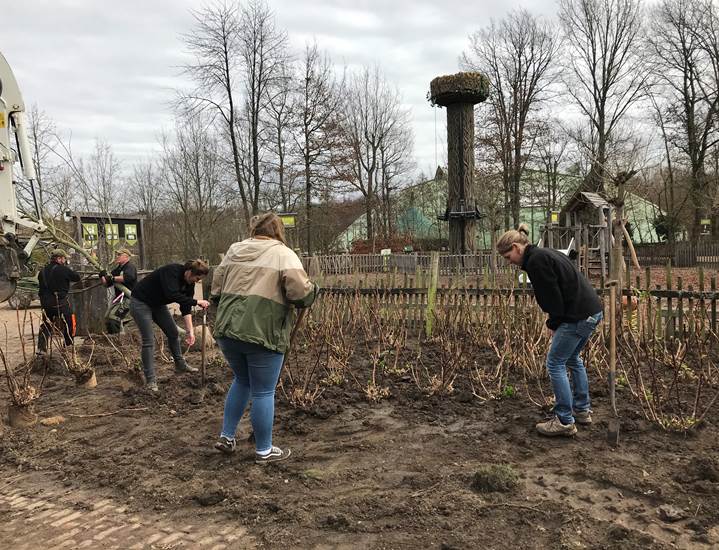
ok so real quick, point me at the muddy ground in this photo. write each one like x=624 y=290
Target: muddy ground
x=412 y=471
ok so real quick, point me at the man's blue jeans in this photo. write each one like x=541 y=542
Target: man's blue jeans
x=256 y=371
x=567 y=343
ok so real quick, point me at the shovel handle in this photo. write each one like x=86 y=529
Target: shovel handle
x=202 y=346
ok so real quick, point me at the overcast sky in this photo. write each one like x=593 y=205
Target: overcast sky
x=108 y=70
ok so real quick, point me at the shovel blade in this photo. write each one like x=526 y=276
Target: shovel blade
x=613 y=432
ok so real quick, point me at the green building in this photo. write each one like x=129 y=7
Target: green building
x=416 y=209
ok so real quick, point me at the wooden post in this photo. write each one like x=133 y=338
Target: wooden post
x=680 y=307
x=702 y=303
x=714 y=303
x=648 y=288
x=669 y=326
x=432 y=293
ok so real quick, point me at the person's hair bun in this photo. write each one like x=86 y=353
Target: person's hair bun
x=523 y=228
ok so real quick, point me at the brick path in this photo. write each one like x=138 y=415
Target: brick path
x=38 y=513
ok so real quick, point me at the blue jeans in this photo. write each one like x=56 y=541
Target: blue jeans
x=144 y=315
x=257 y=370
x=568 y=341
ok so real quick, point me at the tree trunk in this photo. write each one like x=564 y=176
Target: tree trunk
x=308 y=204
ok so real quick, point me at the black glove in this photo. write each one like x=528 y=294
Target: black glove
x=102 y=274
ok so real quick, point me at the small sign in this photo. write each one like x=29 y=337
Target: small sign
x=554 y=217
x=112 y=233
x=89 y=234
x=385 y=252
x=706 y=224
x=130 y=233
x=288 y=218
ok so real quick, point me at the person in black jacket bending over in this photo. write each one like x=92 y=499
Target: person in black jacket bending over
x=167 y=284
x=54 y=280
x=574 y=311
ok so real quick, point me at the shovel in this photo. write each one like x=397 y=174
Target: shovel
x=204 y=351
x=198 y=396
x=613 y=426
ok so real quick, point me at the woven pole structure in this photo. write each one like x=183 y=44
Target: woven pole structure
x=459 y=93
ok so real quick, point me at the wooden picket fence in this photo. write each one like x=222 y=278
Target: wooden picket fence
x=672 y=310
x=681 y=254
x=449 y=264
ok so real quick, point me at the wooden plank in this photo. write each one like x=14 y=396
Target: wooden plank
x=647 y=289
x=702 y=304
x=670 y=312
x=691 y=318
x=432 y=293
x=680 y=309
x=714 y=304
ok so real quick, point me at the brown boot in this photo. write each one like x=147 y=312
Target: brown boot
x=555 y=427
x=583 y=417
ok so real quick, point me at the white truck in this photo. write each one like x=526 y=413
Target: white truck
x=14 y=151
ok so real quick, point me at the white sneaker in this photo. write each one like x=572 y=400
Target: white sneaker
x=275 y=455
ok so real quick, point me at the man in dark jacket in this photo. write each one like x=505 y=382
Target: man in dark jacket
x=573 y=311
x=54 y=284
x=167 y=284
x=125 y=272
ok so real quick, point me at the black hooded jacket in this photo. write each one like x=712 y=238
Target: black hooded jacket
x=54 y=283
x=561 y=290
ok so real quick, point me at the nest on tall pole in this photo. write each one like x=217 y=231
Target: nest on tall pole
x=469 y=87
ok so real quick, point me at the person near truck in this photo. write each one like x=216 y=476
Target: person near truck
x=171 y=283
x=256 y=285
x=573 y=312
x=124 y=272
x=54 y=284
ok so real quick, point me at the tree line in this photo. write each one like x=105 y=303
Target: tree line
x=608 y=90
x=605 y=89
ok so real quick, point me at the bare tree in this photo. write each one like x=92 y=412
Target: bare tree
x=395 y=155
x=280 y=122
x=317 y=103
x=551 y=154
x=684 y=41
x=42 y=136
x=97 y=178
x=263 y=50
x=146 y=192
x=372 y=117
x=517 y=55
x=608 y=73
x=216 y=44
x=193 y=177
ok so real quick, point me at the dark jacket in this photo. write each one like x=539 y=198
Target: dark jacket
x=128 y=272
x=54 y=284
x=164 y=286
x=561 y=290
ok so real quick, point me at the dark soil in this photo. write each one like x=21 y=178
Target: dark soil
x=411 y=471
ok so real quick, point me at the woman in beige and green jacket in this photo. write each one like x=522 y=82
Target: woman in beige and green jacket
x=257 y=283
